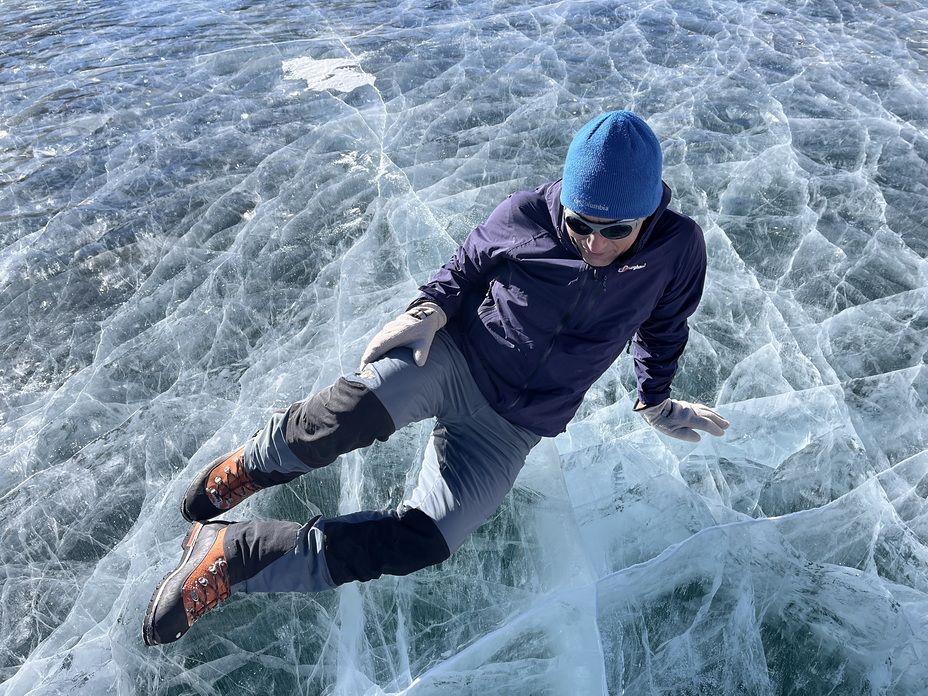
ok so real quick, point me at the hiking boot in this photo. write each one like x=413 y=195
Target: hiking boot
x=199 y=583
x=219 y=487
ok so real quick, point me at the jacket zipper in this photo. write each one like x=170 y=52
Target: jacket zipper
x=554 y=337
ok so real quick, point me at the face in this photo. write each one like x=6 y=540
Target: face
x=598 y=251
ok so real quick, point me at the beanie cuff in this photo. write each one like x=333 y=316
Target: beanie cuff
x=619 y=210
x=613 y=169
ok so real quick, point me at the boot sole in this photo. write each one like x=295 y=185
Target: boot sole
x=148 y=629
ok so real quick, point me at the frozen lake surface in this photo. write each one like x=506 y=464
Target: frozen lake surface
x=207 y=209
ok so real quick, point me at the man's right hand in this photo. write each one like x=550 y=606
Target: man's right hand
x=415 y=328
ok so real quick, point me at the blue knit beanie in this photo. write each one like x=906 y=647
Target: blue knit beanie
x=613 y=168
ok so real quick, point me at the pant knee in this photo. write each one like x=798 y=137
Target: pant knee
x=392 y=544
x=336 y=420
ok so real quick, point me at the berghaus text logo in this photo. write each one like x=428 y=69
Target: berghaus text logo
x=632 y=268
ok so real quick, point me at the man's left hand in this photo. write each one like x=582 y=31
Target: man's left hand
x=681 y=419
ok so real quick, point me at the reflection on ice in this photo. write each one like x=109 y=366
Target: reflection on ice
x=191 y=239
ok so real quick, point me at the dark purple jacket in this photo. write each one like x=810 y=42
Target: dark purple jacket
x=538 y=325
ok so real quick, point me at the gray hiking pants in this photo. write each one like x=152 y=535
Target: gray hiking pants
x=470 y=464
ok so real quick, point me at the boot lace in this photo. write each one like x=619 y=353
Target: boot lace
x=232 y=485
x=209 y=589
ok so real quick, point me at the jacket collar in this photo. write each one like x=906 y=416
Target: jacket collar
x=649 y=226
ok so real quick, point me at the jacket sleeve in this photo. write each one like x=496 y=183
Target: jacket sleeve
x=470 y=267
x=660 y=340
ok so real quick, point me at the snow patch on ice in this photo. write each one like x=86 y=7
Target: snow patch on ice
x=340 y=74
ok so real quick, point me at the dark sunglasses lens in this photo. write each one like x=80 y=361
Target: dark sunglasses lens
x=617 y=231
x=578 y=225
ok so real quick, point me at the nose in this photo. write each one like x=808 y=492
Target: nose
x=597 y=243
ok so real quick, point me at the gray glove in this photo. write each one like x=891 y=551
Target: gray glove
x=415 y=328
x=679 y=418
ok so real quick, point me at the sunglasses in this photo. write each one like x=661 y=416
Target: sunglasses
x=619 y=229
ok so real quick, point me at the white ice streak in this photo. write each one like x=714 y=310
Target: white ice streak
x=339 y=74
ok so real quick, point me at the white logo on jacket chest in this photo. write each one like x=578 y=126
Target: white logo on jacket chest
x=632 y=268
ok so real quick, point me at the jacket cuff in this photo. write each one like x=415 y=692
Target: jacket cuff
x=422 y=299
x=650 y=399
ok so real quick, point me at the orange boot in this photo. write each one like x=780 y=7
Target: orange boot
x=219 y=487
x=199 y=583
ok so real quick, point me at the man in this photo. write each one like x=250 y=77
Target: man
x=500 y=347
